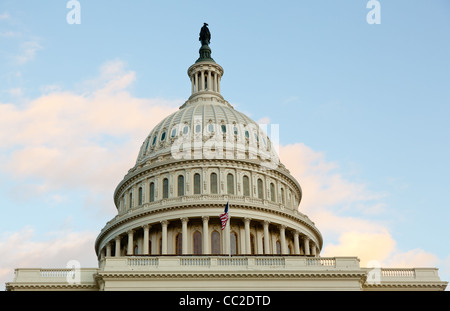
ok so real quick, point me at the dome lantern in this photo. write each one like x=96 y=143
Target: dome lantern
x=205 y=74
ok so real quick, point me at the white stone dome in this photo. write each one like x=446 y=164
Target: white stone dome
x=204 y=119
x=196 y=160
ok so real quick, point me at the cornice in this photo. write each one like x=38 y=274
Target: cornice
x=142 y=171
x=147 y=212
x=214 y=274
x=406 y=284
x=54 y=286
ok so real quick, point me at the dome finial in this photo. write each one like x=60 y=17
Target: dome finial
x=205 y=39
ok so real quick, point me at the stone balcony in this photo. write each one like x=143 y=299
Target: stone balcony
x=232 y=272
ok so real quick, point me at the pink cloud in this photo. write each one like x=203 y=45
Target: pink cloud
x=328 y=196
x=24 y=251
x=59 y=138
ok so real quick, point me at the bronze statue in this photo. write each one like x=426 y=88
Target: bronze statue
x=205 y=35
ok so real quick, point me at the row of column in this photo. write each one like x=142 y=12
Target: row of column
x=308 y=250
x=205 y=80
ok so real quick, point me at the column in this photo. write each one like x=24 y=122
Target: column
x=296 y=243
x=192 y=84
x=248 y=249
x=146 y=239
x=283 y=239
x=108 y=249
x=209 y=81
x=306 y=245
x=184 y=236
x=266 y=238
x=313 y=249
x=164 y=224
x=196 y=89
x=215 y=82
x=205 y=235
x=130 y=242
x=117 y=246
x=260 y=247
x=202 y=81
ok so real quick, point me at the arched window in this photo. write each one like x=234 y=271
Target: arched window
x=246 y=185
x=278 y=248
x=179 y=244
x=131 y=199
x=230 y=184
x=234 y=243
x=215 y=243
x=252 y=244
x=174 y=132
x=141 y=196
x=136 y=250
x=165 y=188
x=213 y=182
x=180 y=185
x=197 y=184
x=197 y=243
x=272 y=192
x=260 y=189
x=152 y=192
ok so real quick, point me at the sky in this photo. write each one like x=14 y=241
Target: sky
x=363 y=111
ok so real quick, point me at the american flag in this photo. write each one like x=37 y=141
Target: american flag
x=224 y=217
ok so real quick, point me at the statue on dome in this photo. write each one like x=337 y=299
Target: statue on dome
x=205 y=35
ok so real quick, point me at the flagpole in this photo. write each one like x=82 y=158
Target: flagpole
x=229 y=230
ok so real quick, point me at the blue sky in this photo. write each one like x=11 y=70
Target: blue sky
x=365 y=106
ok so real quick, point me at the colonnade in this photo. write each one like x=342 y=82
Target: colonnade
x=272 y=239
x=205 y=80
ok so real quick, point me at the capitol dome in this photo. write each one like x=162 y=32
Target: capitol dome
x=196 y=161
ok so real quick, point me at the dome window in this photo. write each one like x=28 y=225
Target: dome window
x=247 y=134
x=224 y=128
x=163 y=136
x=198 y=128
x=211 y=128
x=235 y=130
x=174 y=132
x=185 y=130
x=154 y=141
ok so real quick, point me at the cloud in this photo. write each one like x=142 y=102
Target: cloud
x=343 y=211
x=85 y=140
x=28 y=50
x=4 y=16
x=25 y=249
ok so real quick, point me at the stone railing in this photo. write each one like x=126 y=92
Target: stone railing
x=61 y=276
x=236 y=263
